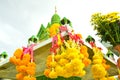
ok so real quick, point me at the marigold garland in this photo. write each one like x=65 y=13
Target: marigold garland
x=99 y=66
x=24 y=66
x=68 y=57
x=54 y=29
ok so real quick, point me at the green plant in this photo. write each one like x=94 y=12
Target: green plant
x=107 y=26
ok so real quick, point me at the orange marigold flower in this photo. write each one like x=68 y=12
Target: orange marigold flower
x=106 y=66
x=26 y=57
x=103 y=61
x=20 y=76
x=27 y=78
x=49 y=58
x=46 y=72
x=79 y=35
x=24 y=62
x=18 y=53
x=21 y=68
x=48 y=64
x=83 y=49
x=12 y=59
x=31 y=64
x=86 y=61
x=30 y=72
x=33 y=78
x=18 y=62
x=30 y=68
x=85 y=54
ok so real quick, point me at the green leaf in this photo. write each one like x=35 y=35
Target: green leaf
x=59 y=78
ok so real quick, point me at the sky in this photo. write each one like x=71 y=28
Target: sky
x=20 y=19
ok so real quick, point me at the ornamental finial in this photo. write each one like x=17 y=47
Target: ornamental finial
x=55 y=9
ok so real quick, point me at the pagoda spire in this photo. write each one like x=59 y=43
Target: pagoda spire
x=55 y=18
x=55 y=9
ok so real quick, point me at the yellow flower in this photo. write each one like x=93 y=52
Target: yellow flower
x=67 y=74
x=81 y=56
x=53 y=74
x=62 y=49
x=63 y=61
x=54 y=29
x=97 y=56
x=63 y=55
x=59 y=70
x=82 y=73
x=72 y=55
x=59 y=40
x=104 y=78
x=97 y=50
x=77 y=62
x=72 y=50
x=97 y=61
x=111 y=78
x=57 y=57
x=68 y=67
x=85 y=54
x=53 y=64
x=29 y=78
x=98 y=71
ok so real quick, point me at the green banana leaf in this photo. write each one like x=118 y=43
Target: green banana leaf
x=59 y=78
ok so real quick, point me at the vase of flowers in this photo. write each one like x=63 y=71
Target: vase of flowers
x=108 y=27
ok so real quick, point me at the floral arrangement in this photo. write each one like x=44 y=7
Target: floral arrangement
x=25 y=65
x=99 y=66
x=107 y=26
x=54 y=29
x=68 y=57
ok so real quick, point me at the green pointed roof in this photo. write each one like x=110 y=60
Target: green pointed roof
x=4 y=54
x=66 y=21
x=55 y=19
x=41 y=30
x=43 y=33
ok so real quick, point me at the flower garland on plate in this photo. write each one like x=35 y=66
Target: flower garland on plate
x=25 y=65
x=99 y=66
x=68 y=56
